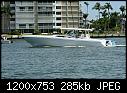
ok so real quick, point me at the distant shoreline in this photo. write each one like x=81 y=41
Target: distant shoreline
x=107 y=35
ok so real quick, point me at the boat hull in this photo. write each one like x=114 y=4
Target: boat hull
x=5 y=41
x=61 y=41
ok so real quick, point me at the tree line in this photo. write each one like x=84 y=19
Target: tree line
x=110 y=21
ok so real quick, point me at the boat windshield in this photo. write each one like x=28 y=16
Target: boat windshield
x=72 y=33
x=113 y=42
x=77 y=32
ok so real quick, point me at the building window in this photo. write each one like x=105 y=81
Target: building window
x=49 y=8
x=12 y=19
x=46 y=24
x=40 y=8
x=58 y=24
x=58 y=18
x=12 y=2
x=12 y=8
x=40 y=13
x=58 y=13
x=31 y=25
x=45 y=13
x=22 y=8
x=30 y=8
x=22 y=25
x=58 y=7
x=40 y=2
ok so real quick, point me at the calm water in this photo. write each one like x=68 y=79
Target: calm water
x=20 y=61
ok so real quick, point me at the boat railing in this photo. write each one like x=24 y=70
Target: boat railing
x=4 y=37
x=75 y=32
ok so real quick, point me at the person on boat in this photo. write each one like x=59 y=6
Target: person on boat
x=107 y=43
x=82 y=36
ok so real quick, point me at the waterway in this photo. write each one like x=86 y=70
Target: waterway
x=21 y=61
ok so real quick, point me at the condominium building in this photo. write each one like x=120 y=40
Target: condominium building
x=44 y=15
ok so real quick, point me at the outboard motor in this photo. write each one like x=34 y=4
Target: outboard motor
x=110 y=43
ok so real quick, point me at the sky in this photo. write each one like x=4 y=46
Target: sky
x=93 y=14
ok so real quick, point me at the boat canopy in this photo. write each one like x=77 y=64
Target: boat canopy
x=77 y=29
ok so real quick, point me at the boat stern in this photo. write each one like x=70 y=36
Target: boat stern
x=108 y=43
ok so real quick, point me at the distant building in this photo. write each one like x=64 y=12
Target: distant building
x=48 y=15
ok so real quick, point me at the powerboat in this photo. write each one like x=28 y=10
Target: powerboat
x=4 y=40
x=74 y=37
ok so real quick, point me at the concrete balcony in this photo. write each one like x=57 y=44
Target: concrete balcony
x=45 y=4
x=58 y=21
x=70 y=16
x=31 y=27
x=69 y=5
x=57 y=26
x=72 y=21
x=24 y=18
x=24 y=21
x=24 y=10
x=12 y=22
x=69 y=10
x=22 y=27
x=45 y=27
x=12 y=16
x=69 y=21
x=45 y=21
x=12 y=5
x=24 y=4
x=12 y=11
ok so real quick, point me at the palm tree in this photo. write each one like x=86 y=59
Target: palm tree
x=115 y=15
x=6 y=14
x=86 y=6
x=87 y=10
x=108 y=7
x=85 y=16
x=122 y=9
x=104 y=14
x=97 y=6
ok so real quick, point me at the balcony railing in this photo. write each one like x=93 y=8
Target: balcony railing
x=22 y=26
x=43 y=27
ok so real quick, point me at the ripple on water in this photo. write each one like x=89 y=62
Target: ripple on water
x=20 y=61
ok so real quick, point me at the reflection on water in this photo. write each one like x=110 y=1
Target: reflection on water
x=21 y=61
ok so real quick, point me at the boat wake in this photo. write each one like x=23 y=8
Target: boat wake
x=120 y=45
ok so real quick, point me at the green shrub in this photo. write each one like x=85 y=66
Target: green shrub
x=15 y=32
x=37 y=32
x=116 y=28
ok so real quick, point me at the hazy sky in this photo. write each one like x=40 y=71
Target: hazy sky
x=93 y=14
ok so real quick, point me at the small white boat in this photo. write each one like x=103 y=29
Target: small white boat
x=71 y=38
x=4 y=40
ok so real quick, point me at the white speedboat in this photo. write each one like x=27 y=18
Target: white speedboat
x=72 y=38
x=4 y=40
